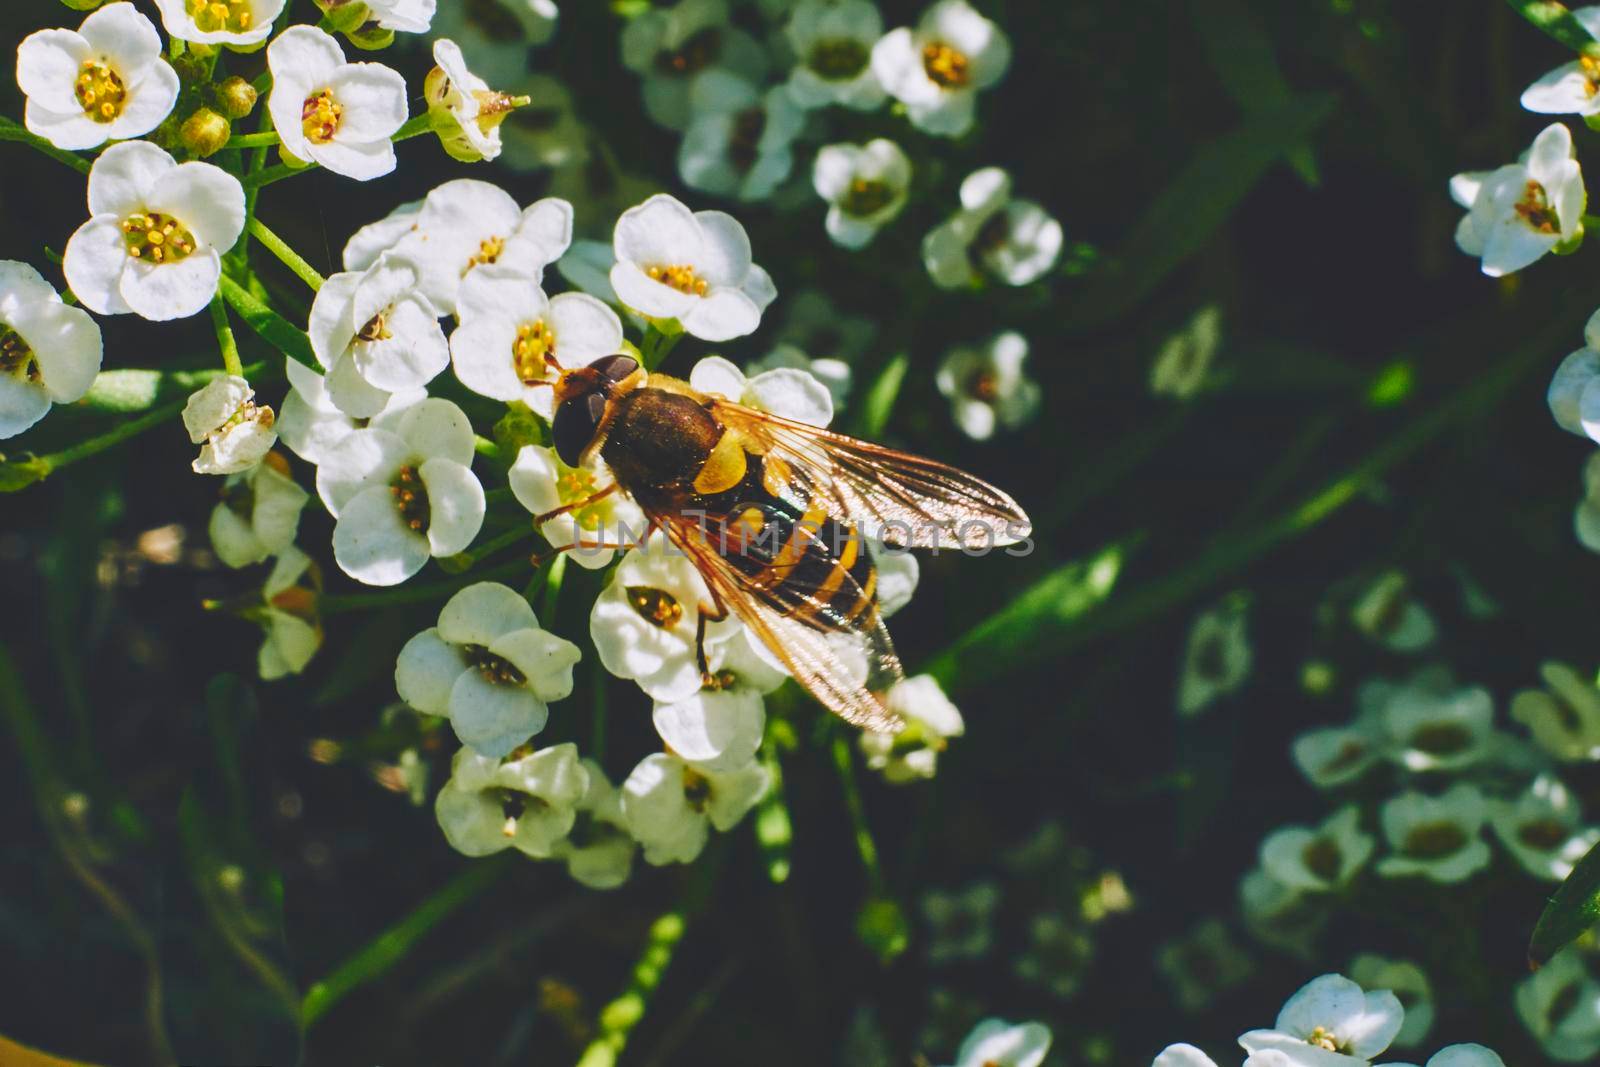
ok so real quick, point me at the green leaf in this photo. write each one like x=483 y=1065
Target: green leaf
x=271 y=327
x=1031 y=621
x=878 y=403
x=1241 y=51
x=1574 y=909
x=1560 y=23
x=1193 y=207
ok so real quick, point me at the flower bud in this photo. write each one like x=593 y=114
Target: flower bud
x=83 y=5
x=345 y=16
x=236 y=97
x=370 y=37
x=205 y=132
x=191 y=64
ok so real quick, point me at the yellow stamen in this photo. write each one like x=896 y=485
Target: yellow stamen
x=100 y=91
x=156 y=238
x=320 y=116
x=681 y=278
x=946 y=67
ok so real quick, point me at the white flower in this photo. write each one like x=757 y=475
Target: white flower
x=1438 y=731
x=1560 y=1005
x=716 y=729
x=1573 y=403
x=1330 y=1022
x=462 y=225
x=292 y=631
x=106 y=81
x=1435 y=837
x=833 y=43
x=234 y=22
x=931 y=720
x=738 y=142
x=866 y=187
x=1540 y=828
x=512 y=337
x=488 y=666
x=987 y=387
x=1564 y=717
x=546 y=131
x=743 y=661
x=1217 y=657
x=542 y=484
x=495 y=34
x=1572 y=88
x=960 y=921
x=833 y=373
x=1409 y=985
x=341 y=115
x=156 y=233
x=673 y=48
x=671 y=804
x=1017 y=241
x=49 y=351
x=529 y=803
x=1334 y=755
x=402 y=489
x=403 y=16
x=1181 y=367
x=997 y=1043
x=691 y=266
x=644 y=622
x=785 y=392
x=375 y=335
x=1468 y=1055
x=1390 y=615
x=937 y=69
x=310 y=423
x=259 y=513
x=1521 y=211
x=598 y=850
x=1203 y=964
x=1319 y=860
x=814 y=324
x=234 y=433
x=467 y=112
x=1282 y=917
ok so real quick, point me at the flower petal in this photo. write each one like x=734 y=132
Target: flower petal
x=484 y=612
x=207 y=199
x=426 y=670
x=124 y=175
x=372 y=544
x=165 y=291
x=455 y=504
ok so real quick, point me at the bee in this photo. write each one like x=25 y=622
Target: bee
x=770 y=512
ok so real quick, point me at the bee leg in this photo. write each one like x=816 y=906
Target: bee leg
x=576 y=505
x=716 y=612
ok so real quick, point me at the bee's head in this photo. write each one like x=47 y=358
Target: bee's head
x=582 y=397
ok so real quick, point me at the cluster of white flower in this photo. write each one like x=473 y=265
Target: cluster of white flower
x=1331 y=1022
x=460 y=279
x=1452 y=777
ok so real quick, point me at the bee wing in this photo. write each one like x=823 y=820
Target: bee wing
x=904 y=500
x=850 y=671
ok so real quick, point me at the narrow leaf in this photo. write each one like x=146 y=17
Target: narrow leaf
x=1574 y=909
x=1241 y=51
x=271 y=327
x=1560 y=23
x=1031 y=621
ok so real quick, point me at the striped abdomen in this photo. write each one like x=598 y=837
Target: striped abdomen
x=813 y=566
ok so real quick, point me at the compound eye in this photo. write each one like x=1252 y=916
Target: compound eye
x=575 y=424
x=615 y=368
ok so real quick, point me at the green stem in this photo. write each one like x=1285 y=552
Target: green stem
x=556 y=571
x=225 y=341
x=496 y=544
x=10 y=131
x=286 y=255
x=391 y=946
x=865 y=845
x=657 y=344
x=264 y=139
x=416 y=594
x=115 y=436
x=618 y=1018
